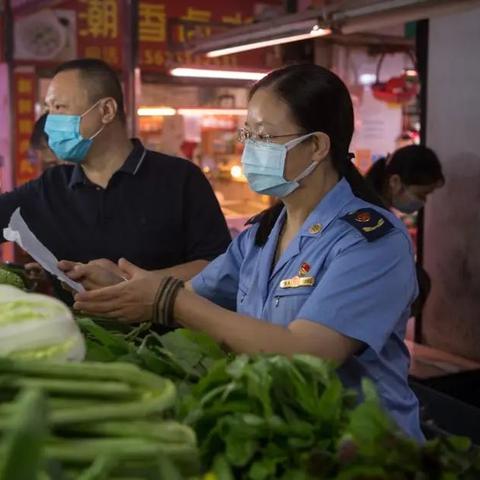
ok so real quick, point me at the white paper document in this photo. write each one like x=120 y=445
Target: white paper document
x=18 y=232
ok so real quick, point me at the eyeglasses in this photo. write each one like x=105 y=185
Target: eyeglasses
x=244 y=135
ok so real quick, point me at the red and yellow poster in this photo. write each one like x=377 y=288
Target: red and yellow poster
x=99 y=30
x=24 y=105
x=164 y=27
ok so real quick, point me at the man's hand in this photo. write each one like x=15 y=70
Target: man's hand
x=130 y=300
x=34 y=272
x=94 y=274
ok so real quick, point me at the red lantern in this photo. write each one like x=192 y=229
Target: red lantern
x=401 y=90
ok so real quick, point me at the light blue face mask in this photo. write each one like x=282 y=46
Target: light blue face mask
x=64 y=137
x=264 y=166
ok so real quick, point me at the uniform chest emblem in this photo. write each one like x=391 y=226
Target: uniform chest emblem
x=304 y=269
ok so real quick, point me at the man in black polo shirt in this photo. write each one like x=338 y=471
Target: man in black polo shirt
x=115 y=198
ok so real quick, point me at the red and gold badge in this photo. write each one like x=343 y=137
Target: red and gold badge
x=304 y=269
x=363 y=217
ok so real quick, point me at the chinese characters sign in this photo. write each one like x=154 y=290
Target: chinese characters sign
x=24 y=97
x=94 y=29
x=164 y=24
x=99 y=30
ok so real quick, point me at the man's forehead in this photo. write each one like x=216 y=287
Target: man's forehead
x=67 y=84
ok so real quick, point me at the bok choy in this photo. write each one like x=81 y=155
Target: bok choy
x=35 y=326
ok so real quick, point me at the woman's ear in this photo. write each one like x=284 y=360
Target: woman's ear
x=321 y=146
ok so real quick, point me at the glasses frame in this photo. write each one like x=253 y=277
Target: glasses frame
x=243 y=135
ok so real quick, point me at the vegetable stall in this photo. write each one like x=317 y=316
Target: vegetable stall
x=90 y=399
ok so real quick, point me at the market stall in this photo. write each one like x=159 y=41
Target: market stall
x=92 y=399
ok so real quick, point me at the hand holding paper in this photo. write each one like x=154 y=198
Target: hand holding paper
x=18 y=232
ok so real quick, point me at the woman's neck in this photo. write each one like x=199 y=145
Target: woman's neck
x=303 y=201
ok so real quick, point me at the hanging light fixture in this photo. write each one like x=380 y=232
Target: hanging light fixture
x=316 y=31
x=211 y=73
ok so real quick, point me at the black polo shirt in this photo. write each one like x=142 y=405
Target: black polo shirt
x=157 y=211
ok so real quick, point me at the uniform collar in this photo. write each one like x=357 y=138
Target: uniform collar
x=323 y=214
x=327 y=209
x=131 y=165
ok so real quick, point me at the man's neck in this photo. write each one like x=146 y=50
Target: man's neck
x=107 y=155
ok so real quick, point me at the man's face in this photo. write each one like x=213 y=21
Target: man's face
x=68 y=94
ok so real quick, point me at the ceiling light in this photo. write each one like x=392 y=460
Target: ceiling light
x=316 y=31
x=208 y=73
x=156 y=112
x=367 y=79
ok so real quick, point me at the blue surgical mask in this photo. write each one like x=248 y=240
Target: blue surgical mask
x=264 y=166
x=408 y=202
x=64 y=137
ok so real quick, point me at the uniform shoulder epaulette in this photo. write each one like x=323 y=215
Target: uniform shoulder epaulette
x=369 y=222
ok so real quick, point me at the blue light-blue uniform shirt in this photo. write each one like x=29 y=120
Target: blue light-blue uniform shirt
x=363 y=289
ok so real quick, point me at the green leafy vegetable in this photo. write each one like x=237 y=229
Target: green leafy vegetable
x=21 y=452
x=37 y=326
x=9 y=276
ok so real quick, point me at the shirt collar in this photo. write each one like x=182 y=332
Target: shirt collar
x=328 y=209
x=135 y=160
x=78 y=177
x=131 y=165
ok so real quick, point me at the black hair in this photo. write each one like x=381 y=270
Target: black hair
x=102 y=80
x=38 y=138
x=414 y=164
x=319 y=102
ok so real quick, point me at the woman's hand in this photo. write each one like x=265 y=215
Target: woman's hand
x=93 y=275
x=131 y=300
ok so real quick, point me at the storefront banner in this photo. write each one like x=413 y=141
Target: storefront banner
x=26 y=165
x=165 y=27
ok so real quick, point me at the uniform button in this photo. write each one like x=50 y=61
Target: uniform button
x=315 y=228
x=97 y=189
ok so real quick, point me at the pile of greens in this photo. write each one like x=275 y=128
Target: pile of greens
x=11 y=275
x=270 y=417
x=89 y=421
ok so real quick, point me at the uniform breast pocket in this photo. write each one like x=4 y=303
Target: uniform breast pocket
x=287 y=303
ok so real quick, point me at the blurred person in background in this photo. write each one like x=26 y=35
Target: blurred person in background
x=404 y=181
x=39 y=145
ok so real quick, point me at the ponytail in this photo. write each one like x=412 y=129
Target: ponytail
x=266 y=220
x=360 y=186
x=377 y=176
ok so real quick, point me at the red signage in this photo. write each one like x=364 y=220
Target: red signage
x=2 y=33
x=167 y=24
x=99 y=30
x=26 y=168
x=22 y=7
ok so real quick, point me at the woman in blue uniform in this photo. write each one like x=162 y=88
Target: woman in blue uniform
x=327 y=271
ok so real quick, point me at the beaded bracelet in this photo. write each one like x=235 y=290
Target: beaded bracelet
x=165 y=300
